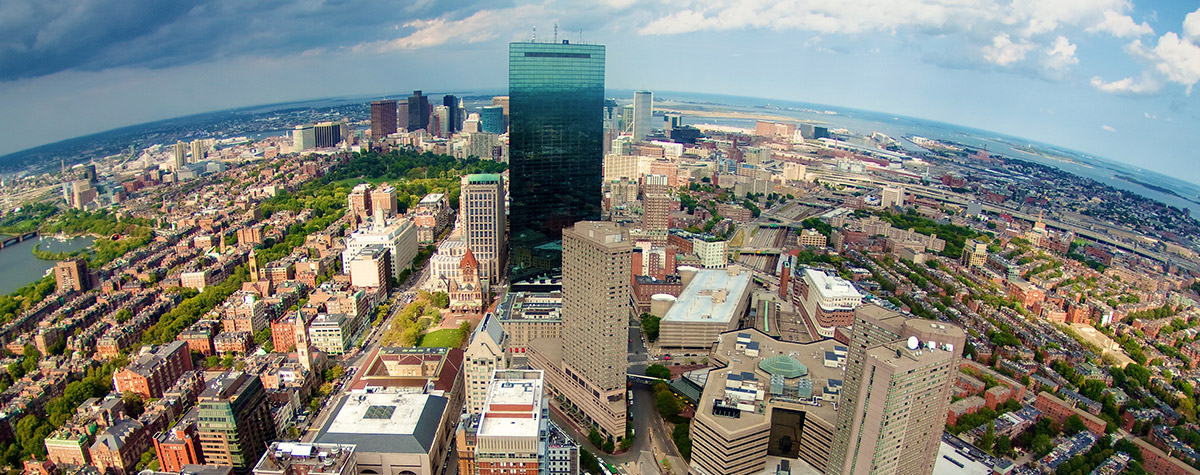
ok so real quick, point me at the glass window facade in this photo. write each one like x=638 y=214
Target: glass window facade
x=556 y=135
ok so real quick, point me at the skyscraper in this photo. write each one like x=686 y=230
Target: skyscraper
x=199 y=151
x=481 y=205
x=491 y=120
x=556 y=95
x=235 y=421
x=418 y=111
x=383 y=119
x=454 y=113
x=643 y=112
x=587 y=366
x=895 y=392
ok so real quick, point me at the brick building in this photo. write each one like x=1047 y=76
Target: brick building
x=154 y=371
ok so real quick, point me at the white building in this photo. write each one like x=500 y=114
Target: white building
x=398 y=234
x=484 y=355
x=826 y=301
x=712 y=254
x=892 y=196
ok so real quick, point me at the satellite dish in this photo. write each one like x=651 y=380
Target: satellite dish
x=913 y=343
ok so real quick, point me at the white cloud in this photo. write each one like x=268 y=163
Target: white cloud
x=1120 y=26
x=1178 y=60
x=1108 y=128
x=483 y=25
x=1150 y=116
x=1127 y=86
x=1003 y=51
x=1060 y=57
x=1191 y=26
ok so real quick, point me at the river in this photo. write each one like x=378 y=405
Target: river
x=18 y=267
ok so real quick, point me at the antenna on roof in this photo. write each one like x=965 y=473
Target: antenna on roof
x=534 y=38
x=556 y=32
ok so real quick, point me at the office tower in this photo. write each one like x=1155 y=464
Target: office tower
x=440 y=123
x=418 y=111
x=454 y=113
x=199 y=151
x=327 y=134
x=181 y=150
x=303 y=138
x=471 y=125
x=895 y=392
x=383 y=119
x=402 y=115
x=491 y=120
x=235 y=421
x=556 y=93
x=627 y=118
x=481 y=205
x=72 y=274
x=643 y=112
x=587 y=366
x=502 y=102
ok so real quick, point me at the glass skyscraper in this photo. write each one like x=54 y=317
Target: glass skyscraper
x=556 y=151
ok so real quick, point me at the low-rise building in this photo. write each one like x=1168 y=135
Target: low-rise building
x=712 y=302
x=154 y=371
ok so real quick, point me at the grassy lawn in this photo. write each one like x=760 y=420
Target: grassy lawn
x=449 y=338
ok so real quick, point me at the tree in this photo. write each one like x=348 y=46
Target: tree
x=134 y=406
x=650 y=325
x=989 y=437
x=1041 y=445
x=1003 y=446
x=588 y=461
x=667 y=405
x=658 y=371
x=609 y=447
x=333 y=373
x=440 y=300
x=1074 y=425
x=596 y=439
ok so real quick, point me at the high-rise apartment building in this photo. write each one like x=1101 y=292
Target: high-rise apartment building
x=556 y=93
x=491 y=120
x=643 y=113
x=72 y=274
x=657 y=202
x=895 y=393
x=587 y=366
x=892 y=196
x=481 y=210
x=383 y=201
x=234 y=421
x=975 y=253
x=360 y=201
x=181 y=150
x=383 y=119
x=418 y=111
x=199 y=151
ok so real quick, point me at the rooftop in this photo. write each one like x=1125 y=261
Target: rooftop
x=831 y=286
x=711 y=296
x=294 y=457
x=513 y=409
x=385 y=422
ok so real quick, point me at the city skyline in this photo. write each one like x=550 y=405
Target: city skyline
x=1087 y=77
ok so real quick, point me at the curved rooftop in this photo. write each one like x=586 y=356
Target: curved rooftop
x=783 y=365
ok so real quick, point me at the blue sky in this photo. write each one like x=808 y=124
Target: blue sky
x=1109 y=77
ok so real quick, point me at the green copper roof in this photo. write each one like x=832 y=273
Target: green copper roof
x=483 y=178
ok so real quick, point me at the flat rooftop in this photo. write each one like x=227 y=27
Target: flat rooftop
x=831 y=286
x=811 y=355
x=701 y=300
x=385 y=422
x=296 y=457
x=513 y=409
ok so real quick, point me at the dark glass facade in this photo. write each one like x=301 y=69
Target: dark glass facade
x=556 y=151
